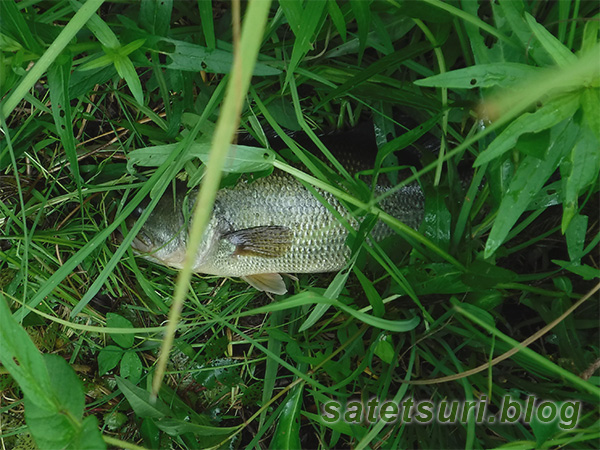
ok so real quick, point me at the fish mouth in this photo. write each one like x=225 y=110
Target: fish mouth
x=142 y=244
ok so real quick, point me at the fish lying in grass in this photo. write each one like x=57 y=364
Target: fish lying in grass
x=274 y=225
x=261 y=229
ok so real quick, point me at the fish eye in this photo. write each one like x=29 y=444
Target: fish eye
x=137 y=212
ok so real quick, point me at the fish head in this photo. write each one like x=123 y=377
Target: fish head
x=163 y=235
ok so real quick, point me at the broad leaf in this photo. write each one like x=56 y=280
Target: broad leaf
x=529 y=178
x=575 y=234
x=116 y=321
x=108 y=358
x=578 y=170
x=503 y=75
x=561 y=54
x=176 y=427
x=61 y=426
x=155 y=17
x=545 y=117
x=131 y=366
x=240 y=159
x=287 y=432
x=59 y=76
x=141 y=401
x=194 y=58
x=309 y=20
x=24 y=361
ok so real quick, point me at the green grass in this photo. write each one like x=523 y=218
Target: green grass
x=496 y=294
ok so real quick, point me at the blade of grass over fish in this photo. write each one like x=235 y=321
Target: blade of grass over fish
x=34 y=74
x=246 y=48
x=389 y=220
x=155 y=186
x=335 y=287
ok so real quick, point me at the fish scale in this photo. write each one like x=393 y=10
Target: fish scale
x=318 y=238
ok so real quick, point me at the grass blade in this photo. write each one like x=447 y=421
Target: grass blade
x=286 y=436
x=244 y=61
x=59 y=75
x=528 y=180
x=69 y=31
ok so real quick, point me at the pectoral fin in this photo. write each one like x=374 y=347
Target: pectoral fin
x=268 y=241
x=268 y=282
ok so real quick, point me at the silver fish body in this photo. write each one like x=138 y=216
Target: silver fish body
x=270 y=226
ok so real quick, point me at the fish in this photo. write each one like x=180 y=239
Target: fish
x=260 y=229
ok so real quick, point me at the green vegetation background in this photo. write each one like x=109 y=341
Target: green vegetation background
x=104 y=103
